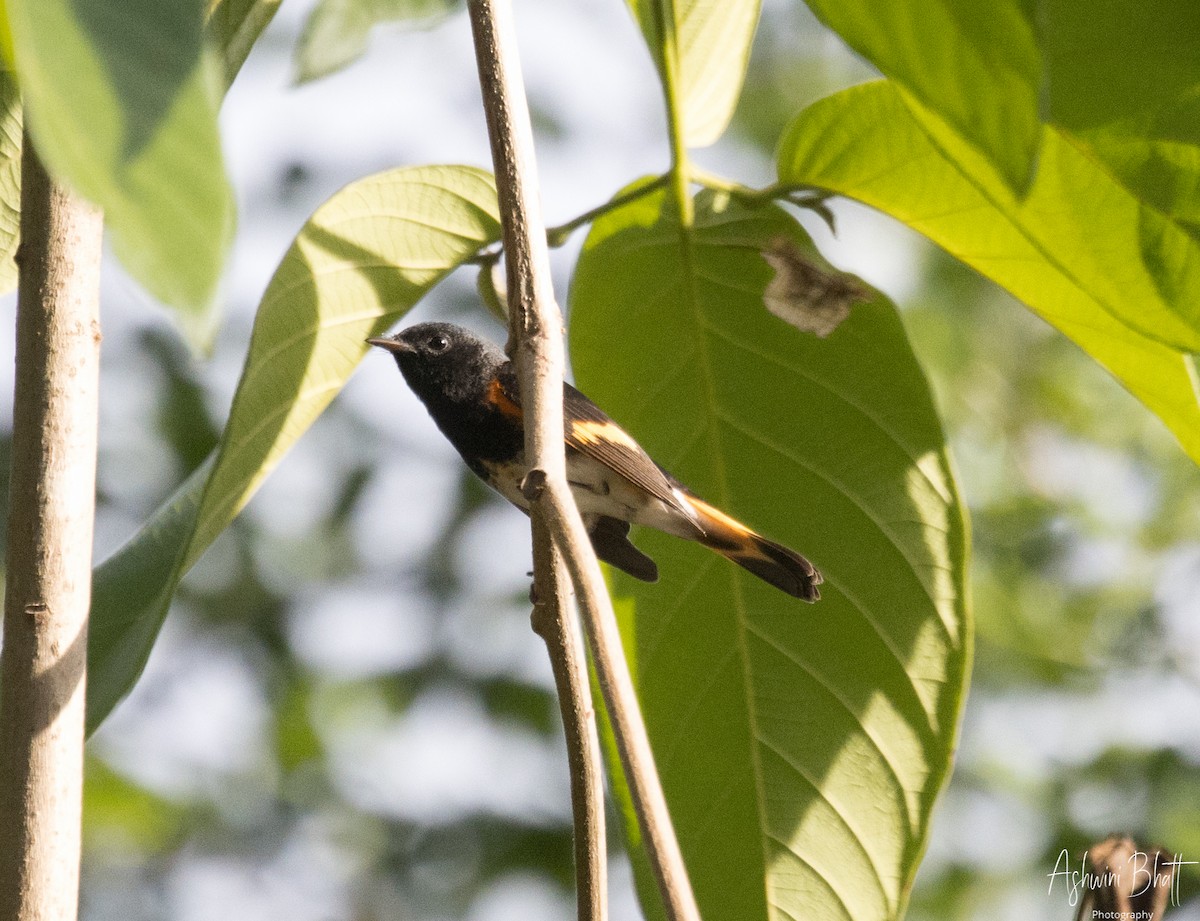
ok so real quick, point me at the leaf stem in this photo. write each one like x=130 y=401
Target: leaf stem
x=680 y=173
x=557 y=236
x=804 y=196
x=776 y=191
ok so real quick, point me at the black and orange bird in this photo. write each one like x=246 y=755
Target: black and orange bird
x=469 y=387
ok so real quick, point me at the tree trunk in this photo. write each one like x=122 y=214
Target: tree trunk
x=48 y=574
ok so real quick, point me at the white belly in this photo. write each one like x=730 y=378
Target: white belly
x=599 y=491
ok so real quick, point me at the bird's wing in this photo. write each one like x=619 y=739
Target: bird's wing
x=590 y=431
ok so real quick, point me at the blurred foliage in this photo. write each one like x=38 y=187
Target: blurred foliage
x=257 y=812
x=147 y=151
x=1079 y=498
x=337 y=31
x=260 y=786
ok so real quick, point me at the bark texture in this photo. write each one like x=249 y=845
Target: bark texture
x=49 y=560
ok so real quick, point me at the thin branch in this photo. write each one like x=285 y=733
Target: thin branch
x=535 y=342
x=612 y=672
x=681 y=169
x=48 y=578
x=555 y=625
x=535 y=325
x=489 y=254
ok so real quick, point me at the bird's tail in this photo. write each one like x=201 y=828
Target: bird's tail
x=774 y=563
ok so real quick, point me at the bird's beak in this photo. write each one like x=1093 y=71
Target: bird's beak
x=395 y=346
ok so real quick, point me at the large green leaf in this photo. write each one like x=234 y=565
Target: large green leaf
x=1114 y=64
x=1124 y=80
x=362 y=260
x=233 y=26
x=122 y=104
x=712 y=48
x=1117 y=277
x=801 y=748
x=1121 y=81
x=975 y=62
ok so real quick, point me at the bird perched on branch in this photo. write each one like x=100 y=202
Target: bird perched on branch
x=469 y=387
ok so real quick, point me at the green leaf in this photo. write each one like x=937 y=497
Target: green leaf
x=1162 y=167
x=234 y=26
x=976 y=64
x=10 y=178
x=122 y=106
x=131 y=592
x=1108 y=65
x=336 y=32
x=363 y=260
x=801 y=748
x=712 y=49
x=1118 y=278
x=1125 y=81
x=1122 y=79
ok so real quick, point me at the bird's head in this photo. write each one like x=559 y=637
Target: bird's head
x=441 y=361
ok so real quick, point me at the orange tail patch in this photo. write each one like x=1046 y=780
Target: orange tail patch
x=774 y=563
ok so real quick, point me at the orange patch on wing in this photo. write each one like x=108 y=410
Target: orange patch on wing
x=499 y=399
x=590 y=432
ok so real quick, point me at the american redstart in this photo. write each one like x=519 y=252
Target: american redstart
x=469 y=387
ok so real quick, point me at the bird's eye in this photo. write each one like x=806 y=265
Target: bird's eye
x=438 y=344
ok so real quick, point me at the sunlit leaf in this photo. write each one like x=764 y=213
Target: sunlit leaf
x=1125 y=82
x=975 y=62
x=336 y=32
x=122 y=106
x=364 y=258
x=713 y=49
x=801 y=747
x=1118 y=278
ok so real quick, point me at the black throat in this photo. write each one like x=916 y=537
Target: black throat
x=456 y=394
